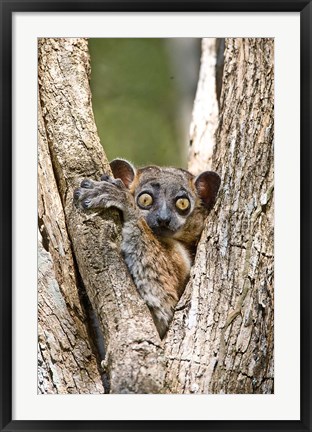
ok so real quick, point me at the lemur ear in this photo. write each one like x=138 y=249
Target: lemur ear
x=207 y=185
x=123 y=170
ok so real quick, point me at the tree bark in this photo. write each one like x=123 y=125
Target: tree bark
x=221 y=337
x=205 y=112
x=224 y=322
x=67 y=363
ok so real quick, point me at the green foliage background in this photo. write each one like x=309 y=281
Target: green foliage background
x=135 y=100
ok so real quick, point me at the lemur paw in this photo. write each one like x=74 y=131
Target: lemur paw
x=84 y=194
x=108 y=192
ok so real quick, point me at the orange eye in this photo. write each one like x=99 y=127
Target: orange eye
x=183 y=203
x=145 y=200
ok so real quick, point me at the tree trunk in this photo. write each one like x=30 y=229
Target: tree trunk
x=224 y=323
x=221 y=337
x=66 y=362
x=205 y=112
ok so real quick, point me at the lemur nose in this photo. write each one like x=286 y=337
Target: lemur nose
x=164 y=217
x=164 y=222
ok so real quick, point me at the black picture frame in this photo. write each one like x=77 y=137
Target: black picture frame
x=8 y=7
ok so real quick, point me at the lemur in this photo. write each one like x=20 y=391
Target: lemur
x=163 y=212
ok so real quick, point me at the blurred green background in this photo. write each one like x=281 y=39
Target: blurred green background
x=142 y=94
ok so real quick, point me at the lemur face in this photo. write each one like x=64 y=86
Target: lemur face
x=167 y=197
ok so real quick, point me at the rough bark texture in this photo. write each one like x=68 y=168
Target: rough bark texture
x=205 y=112
x=221 y=340
x=134 y=355
x=66 y=361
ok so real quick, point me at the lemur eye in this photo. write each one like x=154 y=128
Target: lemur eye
x=182 y=203
x=145 y=200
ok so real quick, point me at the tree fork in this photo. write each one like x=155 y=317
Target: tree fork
x=208 y=349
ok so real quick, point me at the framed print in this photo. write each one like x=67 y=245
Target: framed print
x=168 y=287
